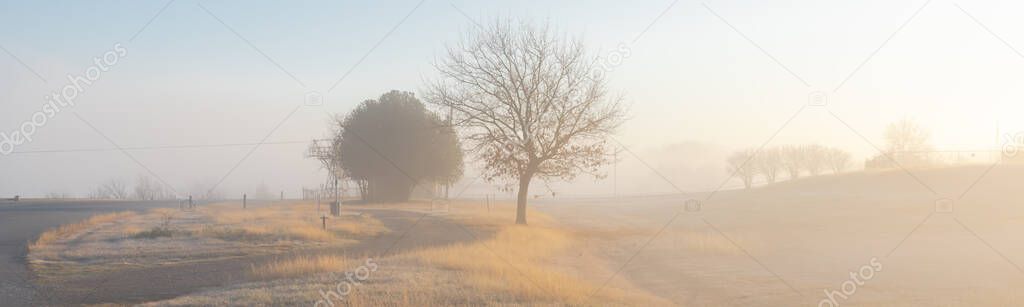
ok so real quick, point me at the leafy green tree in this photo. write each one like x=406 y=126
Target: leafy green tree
x=393 y=143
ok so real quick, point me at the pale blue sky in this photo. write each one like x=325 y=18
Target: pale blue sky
x=188 y=79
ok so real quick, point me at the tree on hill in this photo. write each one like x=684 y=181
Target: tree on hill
x=815 y=158
x=528 y=104
x=740 y=165
x=391 y=144
x=768 y=163
x=838 y=160
x=907 y=143
x=793 y=160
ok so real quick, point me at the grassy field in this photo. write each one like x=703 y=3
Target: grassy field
x=787 y=244
x=67 y=231
x=781 y=245
x=778 y=245
x=167 y=236
x=497 y=264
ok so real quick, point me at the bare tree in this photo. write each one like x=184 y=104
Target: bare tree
x=815 y=158
x=838 y=160
x=527 y=104
x=112 y=189
x=792 y=160
x=907 y=142
x=740 y=164
x=148 y=189
x=768 y=163
x=58 y=195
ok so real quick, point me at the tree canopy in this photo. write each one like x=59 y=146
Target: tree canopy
x=390 y=144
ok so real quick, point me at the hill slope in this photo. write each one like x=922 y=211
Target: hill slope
x=787 y=243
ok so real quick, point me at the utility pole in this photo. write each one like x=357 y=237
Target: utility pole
x=323 y=150
x=245 y=197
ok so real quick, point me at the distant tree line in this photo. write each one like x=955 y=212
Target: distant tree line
x=793 y=160
x=907 y=145
x=145 y=188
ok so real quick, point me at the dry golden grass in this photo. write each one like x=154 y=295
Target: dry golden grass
x=128 y=231
x=65 y=231
x=292 y=222
x=162 y=236
x=709 y=242
x=301 y=266
x=362 y=225
x=513 y=262
x=510 y=265
x=166 y=211
x=406 y=297
x=272 y=232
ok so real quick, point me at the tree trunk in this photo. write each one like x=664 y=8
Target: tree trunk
x=524 y=190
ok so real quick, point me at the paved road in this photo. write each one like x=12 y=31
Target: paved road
x=140 y=285
x=23 y=221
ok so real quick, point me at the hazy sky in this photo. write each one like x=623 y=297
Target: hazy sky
x=728 y=81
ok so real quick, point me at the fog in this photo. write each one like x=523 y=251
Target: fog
x=714 y=77
x=666 y=152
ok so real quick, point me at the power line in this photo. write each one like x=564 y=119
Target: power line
x=159 y=147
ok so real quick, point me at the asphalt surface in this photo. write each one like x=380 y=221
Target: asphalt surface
x=23 y=221
x=141 y=285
